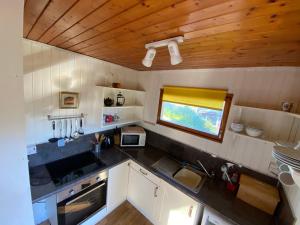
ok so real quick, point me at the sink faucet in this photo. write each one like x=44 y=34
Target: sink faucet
x=203 y=167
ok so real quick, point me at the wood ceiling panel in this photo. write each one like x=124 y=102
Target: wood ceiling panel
x=152 y=20
x=218 y=33
x=208 y=24
x=260 y=23
x=137 y=12
x=178 y=26
x=32 y=11
x=75 y=14
x=55 y=9
x=108 y=10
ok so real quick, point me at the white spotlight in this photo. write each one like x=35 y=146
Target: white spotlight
x=147 y=61
x=174 y=53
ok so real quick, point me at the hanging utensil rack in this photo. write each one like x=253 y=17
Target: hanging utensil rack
x=50 y=118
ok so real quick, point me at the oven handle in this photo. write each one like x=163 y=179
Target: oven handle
x=75 y=199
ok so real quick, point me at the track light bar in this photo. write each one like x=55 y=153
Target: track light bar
x=172 y=44
x=163 y=43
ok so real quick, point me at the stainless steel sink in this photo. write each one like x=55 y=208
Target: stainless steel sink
x=190 y=178
x=185 y=175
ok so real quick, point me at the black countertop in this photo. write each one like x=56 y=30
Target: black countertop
x=212 y=194
x=110 y=158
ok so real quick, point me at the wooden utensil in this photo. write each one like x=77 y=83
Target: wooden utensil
x=258 y=194
x=97 y=135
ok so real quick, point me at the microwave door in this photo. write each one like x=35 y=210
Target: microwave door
x=130 y=140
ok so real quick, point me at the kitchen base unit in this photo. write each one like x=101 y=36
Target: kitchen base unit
x=144 y=192
x=117 y=185
x=178 y=208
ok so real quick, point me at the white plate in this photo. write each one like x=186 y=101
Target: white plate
x=289 y=152
x=296 y=165
x=286 y=158
x=289 y=164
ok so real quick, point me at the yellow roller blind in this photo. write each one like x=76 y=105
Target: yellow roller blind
x=201 y=97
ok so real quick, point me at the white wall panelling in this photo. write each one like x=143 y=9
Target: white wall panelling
x=260 y=87
x=49 y=70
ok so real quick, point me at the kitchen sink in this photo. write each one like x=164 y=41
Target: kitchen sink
x=190 y=178
x=184 y=175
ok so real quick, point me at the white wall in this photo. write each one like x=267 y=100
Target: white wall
x=15 y=197
x=49 y=70
x=262 y=87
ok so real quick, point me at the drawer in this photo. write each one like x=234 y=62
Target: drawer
x=146 y=173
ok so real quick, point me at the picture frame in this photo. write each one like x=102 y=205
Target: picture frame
x=68 y=100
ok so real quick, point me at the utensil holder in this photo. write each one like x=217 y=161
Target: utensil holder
x=97 y=148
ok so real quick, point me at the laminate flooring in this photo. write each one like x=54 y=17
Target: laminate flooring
x=125 y=214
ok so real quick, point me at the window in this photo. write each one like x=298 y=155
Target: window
x=198 y=111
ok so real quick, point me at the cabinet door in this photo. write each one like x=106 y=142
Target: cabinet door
x=143 y=194
x=117 y=185
x=177 y=208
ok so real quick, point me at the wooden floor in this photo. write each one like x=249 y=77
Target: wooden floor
x=125 y=214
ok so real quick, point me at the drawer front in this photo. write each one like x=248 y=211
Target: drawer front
x=146 y=173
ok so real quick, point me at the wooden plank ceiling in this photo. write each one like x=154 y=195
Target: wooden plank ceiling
x=218 y=33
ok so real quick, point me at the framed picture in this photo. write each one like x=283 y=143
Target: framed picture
x=68 y=100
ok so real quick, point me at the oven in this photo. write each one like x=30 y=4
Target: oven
x=82 y=200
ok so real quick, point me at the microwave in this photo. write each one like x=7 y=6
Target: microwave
x=133 y=137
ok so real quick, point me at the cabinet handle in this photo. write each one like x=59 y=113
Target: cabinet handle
x=155 y=191
x=190 y=211
x=143 y=172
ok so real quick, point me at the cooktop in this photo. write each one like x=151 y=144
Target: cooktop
x=71 y=168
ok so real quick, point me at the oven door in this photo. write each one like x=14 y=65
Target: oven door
x=77 y=208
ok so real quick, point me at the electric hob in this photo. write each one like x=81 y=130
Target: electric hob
x=66 y=170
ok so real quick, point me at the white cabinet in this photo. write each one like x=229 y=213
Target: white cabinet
x=143 y=192
x=117 y=185
x=158 y=201
x=177 y=208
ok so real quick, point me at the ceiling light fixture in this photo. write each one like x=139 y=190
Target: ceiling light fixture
x=172 y=44
x=147 y=61
x=174 y=53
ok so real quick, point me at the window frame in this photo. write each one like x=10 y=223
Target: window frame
x=218 y=138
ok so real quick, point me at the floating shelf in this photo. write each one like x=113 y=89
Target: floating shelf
x=120 y=123
x=123 y=107
x=295 y=115
x=131 y=112
x=122 y=89
x=244 y=135
x=267 y=110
